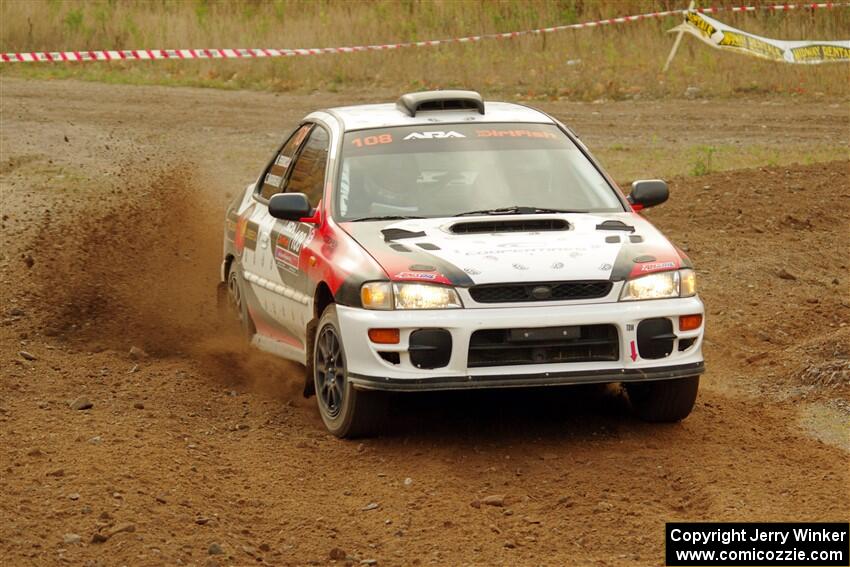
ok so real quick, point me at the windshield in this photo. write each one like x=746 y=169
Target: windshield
x=451 y=169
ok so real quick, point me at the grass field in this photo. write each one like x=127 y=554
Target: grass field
x=614 y=62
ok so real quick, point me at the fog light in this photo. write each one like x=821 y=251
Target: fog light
x=384 y=336
x=689 y=322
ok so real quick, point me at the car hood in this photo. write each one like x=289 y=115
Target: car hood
x=469 y=251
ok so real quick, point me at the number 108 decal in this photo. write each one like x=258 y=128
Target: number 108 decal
x=372 y=140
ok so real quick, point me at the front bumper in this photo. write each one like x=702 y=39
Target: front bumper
x=368 y=369
x=523 y=380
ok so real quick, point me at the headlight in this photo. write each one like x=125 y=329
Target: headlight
x=682 y=283
x=384 y=295
x=424 y=296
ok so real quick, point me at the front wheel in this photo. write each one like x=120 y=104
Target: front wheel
x=346 y=411
x=663 y=400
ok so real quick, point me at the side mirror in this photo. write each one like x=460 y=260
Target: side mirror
x=290 y=206
x=648 y=193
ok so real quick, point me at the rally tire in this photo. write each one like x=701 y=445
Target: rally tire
x=663 y=400
x=346 y=411
x=238 y=304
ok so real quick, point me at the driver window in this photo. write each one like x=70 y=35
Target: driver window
x=275 y=175
x=308 y=172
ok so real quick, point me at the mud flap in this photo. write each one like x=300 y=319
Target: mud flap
x=222 y=305
x=309 y=385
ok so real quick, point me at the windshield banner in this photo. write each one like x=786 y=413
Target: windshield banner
x=719 y=35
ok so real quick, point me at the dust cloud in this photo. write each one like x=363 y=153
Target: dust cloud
x=139 y=267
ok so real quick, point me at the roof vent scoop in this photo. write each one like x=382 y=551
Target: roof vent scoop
x=411 y=103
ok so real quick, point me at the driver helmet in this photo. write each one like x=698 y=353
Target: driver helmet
x=391 y=179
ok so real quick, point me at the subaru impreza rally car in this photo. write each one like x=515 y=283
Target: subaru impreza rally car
x=444 y=243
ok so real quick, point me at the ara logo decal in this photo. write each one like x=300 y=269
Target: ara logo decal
x=433 y=135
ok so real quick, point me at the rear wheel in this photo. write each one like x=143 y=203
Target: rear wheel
x=237 y=305
x=663 y=400
x=346 y=411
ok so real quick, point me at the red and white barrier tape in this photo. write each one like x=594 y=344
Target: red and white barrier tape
x=155 y=54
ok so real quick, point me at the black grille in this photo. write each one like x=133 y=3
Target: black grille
x=508 y=347
x=540 y=291
x=527 y=225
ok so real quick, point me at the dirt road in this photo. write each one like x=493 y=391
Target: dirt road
x=112 y=199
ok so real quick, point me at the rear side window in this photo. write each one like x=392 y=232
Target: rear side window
x=275 y=175
x=308 y=172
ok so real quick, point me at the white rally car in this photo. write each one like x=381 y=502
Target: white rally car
x=442 y=243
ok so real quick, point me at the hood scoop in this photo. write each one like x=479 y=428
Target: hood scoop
x=523 y=225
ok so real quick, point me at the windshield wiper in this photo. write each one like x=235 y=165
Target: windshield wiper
x=517 y=210
x=385 y=217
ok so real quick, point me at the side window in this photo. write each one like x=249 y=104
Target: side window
x=275 y=174
x=308 y=172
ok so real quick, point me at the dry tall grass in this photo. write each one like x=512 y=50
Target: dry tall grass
x=619 y=61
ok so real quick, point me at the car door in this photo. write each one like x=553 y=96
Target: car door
x=257 y=261
x=283 y=243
